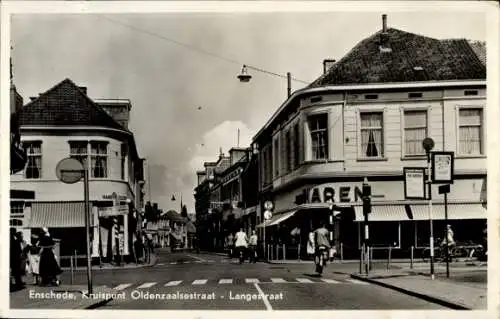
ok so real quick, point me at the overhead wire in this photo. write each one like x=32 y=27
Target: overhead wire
x=194 y=48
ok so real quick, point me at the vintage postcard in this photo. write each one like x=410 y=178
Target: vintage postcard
x=267 y=157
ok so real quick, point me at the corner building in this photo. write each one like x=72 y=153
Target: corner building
x=64 y=122
x=366 y=118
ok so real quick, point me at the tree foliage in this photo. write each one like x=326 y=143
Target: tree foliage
x=151 y=214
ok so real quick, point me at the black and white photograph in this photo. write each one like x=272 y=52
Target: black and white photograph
x=246 y=156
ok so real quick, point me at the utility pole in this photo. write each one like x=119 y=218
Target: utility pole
x=367 y=207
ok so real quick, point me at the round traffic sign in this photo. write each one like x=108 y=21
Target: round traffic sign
x=428 y=144
x=268 y=205
x=69 y=170
x=267 y=215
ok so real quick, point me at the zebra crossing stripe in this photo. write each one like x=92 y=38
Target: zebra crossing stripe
x=304 y=280
x=147 y=285
x=354 y=281
x=200 y=282
x=251 y=280
x=173 y=283
x=330 y=281
x=225 y=281
x=278 y=280
x=122 y=286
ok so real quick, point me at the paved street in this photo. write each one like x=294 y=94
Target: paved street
x=207 y=276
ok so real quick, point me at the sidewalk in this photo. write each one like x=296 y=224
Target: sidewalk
x=62 y=297
x=441 y=290
x=108 y=266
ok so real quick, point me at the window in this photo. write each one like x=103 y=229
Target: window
x=415 y=130
x=16 y=209
x=470 y=132
x=123 y=160
x=276 y=158
x=34 y=164
x=78 y=151
x=284 y=153
x=318 y=124
x=372 y=136
x=16 y=222
x=98 y=156
x=296 y=139
x=99 y=159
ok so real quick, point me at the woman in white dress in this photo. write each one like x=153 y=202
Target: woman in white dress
x=34 y=259
x=310 y=245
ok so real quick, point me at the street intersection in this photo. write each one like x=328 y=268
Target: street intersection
x=193 y=281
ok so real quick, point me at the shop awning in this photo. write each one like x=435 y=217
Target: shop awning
x=276 y=219
x=455 y=211
x=381 y=213
x=58 y=215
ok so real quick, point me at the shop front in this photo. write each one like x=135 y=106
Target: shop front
x=394 y=221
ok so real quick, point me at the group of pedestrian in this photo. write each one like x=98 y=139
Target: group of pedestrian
x=36 y=258
x=242 y=243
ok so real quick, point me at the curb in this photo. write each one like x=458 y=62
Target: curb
x=96 y=267
x=435 y=300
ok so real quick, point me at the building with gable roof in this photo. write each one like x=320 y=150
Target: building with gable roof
x=365 y=118
x=64 y=122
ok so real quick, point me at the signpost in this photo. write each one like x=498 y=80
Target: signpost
x=443 y=173
x=268 y=206
x=428 y=145
x=70 y=171
x=414 y=182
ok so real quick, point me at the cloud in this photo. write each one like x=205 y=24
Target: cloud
x=225 y=136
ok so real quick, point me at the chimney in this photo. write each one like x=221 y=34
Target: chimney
x=327 y=64
x=83 y=89
x=384 y=23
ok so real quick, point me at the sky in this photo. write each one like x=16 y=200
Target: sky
x=179 y=71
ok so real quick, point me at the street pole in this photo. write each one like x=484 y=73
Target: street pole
x=87 y=227
x=431 y=239
x=367 y=192
x=447 y=247
x=264 y=239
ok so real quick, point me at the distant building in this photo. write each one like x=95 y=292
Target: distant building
x=64 y=122
x=366 y=117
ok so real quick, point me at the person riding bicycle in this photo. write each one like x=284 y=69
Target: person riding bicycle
x=451 y=241
x=321 y=240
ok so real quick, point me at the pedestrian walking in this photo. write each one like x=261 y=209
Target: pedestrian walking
x=24 y=253
x=230 y=244
x=253 y=246
x=241 y=243
x=311 y=245
x=34 y=259
x=15 y=259
x=49 y=267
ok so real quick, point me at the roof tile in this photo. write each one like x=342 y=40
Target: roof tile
x=438 y=60
x=65 y=104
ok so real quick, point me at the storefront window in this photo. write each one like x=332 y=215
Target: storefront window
x=384 y=234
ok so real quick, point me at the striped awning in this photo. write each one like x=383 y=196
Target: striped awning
x=381 y=213
x=455 y=211
x=276 y=219
x=58 y=215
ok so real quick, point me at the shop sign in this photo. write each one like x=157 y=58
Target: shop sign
x=336 y=193
x=113 y=211
x=115 y=196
